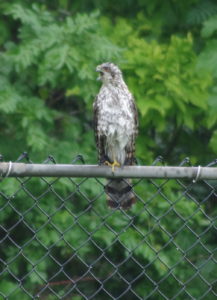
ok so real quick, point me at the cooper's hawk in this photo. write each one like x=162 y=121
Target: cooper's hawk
x=116 y=127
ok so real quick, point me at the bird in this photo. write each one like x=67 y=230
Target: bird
x=115 y=119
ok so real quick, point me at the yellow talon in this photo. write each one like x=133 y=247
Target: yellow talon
x=115 y=163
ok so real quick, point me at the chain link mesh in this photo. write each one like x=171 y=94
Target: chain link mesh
x=59 y=240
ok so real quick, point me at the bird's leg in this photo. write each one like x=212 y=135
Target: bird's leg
x=103 y=159
x=112 y=165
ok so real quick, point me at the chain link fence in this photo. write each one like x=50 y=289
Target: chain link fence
x=59 y=240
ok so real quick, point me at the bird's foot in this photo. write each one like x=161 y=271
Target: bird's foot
x=103 y=160
x=112 y=165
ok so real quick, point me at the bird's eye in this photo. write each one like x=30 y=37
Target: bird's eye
x=106 y=69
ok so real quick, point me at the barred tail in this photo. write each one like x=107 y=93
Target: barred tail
x=120 y=193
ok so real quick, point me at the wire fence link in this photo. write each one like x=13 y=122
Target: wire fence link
x=59 y=240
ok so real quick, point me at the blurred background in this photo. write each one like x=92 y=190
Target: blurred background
x=48 y=54
x=58 y=238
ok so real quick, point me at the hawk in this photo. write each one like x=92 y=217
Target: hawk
x=116 y=127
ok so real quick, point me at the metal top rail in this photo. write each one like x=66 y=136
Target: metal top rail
x=9 y=169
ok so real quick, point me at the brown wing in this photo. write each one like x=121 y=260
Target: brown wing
x=130 y=148
x=135 y=113
x=100 y=139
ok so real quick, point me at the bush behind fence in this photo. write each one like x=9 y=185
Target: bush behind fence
x=59 y=240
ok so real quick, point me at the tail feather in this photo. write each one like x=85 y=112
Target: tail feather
x=120 y=193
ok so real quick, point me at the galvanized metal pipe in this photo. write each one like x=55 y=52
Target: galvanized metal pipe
x=8 y=169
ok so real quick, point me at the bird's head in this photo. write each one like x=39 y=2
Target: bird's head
x=109 y=72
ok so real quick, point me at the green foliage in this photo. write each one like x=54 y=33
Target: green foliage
x=76 y=235
x=207 y=61
x=170 y=84
x=48 y=55
x=201 y=12
x=56 y=61
x=209 y=27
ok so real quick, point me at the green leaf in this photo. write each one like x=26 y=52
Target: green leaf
x=213 y=141
x=9 y=100
x=36 y=138
x=209 y=27
x=207 y=60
